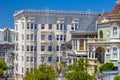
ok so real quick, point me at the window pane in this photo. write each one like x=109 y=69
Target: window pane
x=49 y=48
x=57 y=37
x=27 y=25
x=31 y=48
x=81 y=44
x=35 y=26
x=50 y=26
x=27 y=48
x=49 y=37
x=42 y=37
x=42 y=26
x=57 y=27
x=42 y=48
x=49 y=59
x=31 y=25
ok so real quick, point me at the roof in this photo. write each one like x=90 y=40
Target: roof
x=108 y=16
x=116 y=9
x=88 y=24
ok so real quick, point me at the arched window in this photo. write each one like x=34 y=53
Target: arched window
x=101 y=34
x=114 y=31
x=115 y=52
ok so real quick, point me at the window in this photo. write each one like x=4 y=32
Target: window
x=22 y=70
x=31 y=59
x=35 y=59
x=49 y=37
x=49 y=59
x=72 y=27
x=81 y=44
x=42 y=59
x=50 y=26
x=35 y=26
x=16 y=67
x=27 y=48
x=22 y=47
x=16 y=37
x=57 y=38
x=42 y=48
x=27 y=25
x=115 y=52
x=27 y=36
x=57 y=27
x=22 y=58
x=101 y=33
x=16 y=27
x=57 y=48
x=22 y=24
x=76 y=26
x=22 y=36
x=61 y=37
x=49 y=48
x=42 y=37
x=35 y=48
x=61 y=26
x=42 y=26
x=16 y=57
x=35 y=37
x=27 y=69
x=31 y=69
x=27 y=59
x=32 y=25
x=114 y=31
x=65 y=38
x=65 y=27
x=31 y=36
x=31 y=48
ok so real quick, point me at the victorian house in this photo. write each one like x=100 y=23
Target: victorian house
x=99 y=42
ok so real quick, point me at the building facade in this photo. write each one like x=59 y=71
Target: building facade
x=106 y=47
x=101 y=44
x=40 y=34
x=7 y=35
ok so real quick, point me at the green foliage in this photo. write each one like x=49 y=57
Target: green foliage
x=3 y=66
x=44 y=72
x=78 y=71
x=107 y=67
x=117 y=77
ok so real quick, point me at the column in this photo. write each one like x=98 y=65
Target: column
x=90 y=54
x=94 y=54
x=78 y=44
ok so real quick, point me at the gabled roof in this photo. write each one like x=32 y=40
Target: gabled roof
x=116 y=9
x=108 y=15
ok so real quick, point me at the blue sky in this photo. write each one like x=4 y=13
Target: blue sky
x=8 y=7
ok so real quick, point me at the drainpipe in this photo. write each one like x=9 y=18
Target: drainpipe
x=118 y=67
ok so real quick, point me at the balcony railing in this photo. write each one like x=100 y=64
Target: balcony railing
x=96 y=40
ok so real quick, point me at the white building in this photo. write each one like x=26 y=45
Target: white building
x=40 y=34
x=7 y=35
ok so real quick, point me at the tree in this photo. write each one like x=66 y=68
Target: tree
x=44 y=72
x=3 y=67
x=117 y=77
x=78 y=71
x=107 y=67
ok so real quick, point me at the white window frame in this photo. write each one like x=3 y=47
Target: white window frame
x=112 y=55
x=114 y=34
